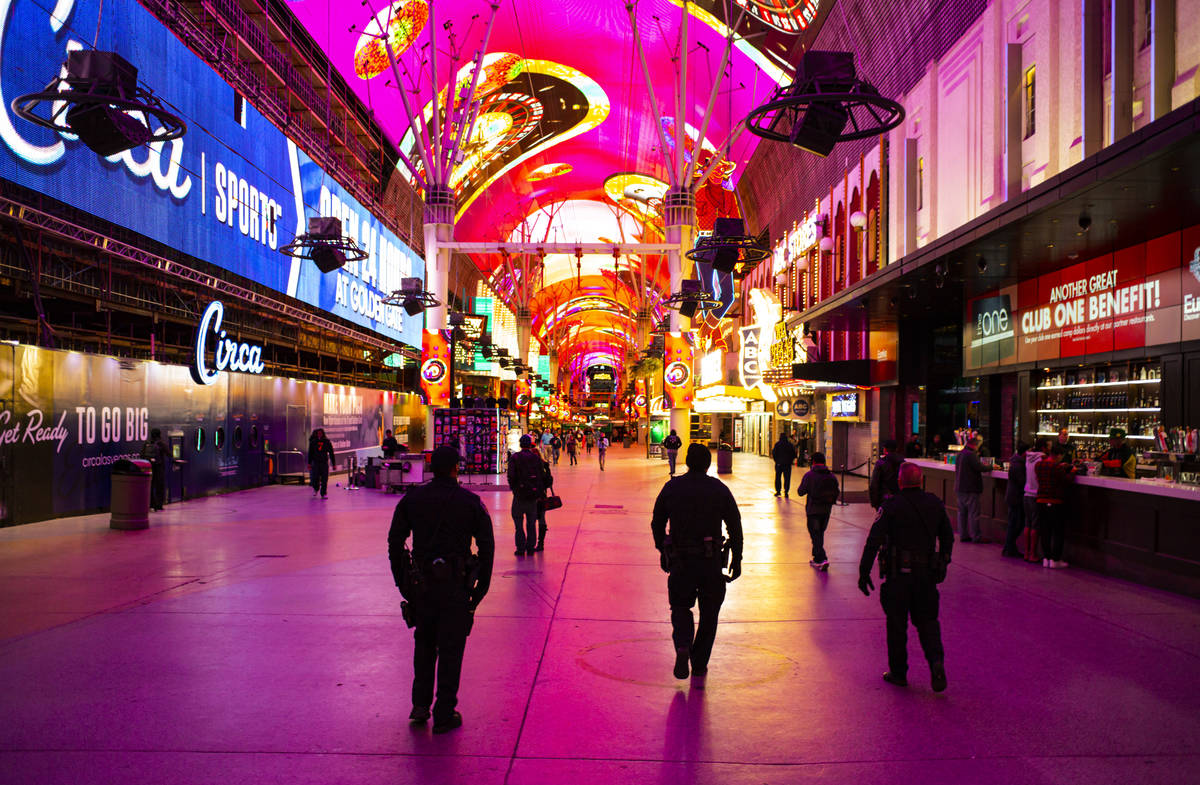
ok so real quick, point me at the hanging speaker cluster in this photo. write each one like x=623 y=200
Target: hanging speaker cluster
x=825 y=104
x=730 y=250
x=325 y=245
x=412 y=296
x=99 y=100
x=691 y=298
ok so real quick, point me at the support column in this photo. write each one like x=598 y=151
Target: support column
x=439 y=229
x=680 y=222
x=1092 y=76
x=1013 y=116
x=1121 y=119
x=1162 y=48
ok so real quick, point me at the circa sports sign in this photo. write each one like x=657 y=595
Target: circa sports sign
x=228 y=354
x=1141 y=296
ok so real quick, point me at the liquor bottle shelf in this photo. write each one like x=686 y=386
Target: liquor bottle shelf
x=1089 y=435
x=1096 y=411
x=1098 y=384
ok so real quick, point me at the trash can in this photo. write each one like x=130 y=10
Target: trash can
x=724 y=461
x=130 y=499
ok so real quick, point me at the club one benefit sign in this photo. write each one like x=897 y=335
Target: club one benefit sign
x=1145 y=295
x=231 y=192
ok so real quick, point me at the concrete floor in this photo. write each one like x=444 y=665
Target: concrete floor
x=256 y=638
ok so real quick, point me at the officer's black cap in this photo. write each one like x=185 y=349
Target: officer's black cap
x=698 y=457
x=443 y=460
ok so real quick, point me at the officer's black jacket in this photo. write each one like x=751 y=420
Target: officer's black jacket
x=696 y=504
x=912 y=520
x=456 y=515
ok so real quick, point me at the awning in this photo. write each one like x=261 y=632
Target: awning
x=852 y=373
x=724 y=399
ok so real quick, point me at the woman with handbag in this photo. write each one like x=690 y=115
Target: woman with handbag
x=548 y=502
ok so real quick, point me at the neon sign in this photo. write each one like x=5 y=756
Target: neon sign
x=230 y=355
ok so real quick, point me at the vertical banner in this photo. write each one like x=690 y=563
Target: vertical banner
x=640 y=401
x=678 y=381
x=435 y=368
x=522 y=396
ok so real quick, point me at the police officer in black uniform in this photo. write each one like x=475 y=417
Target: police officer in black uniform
x=694 y=555
x=441 y=581
x=914 y=532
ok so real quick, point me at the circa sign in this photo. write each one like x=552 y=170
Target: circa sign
x=229 y=355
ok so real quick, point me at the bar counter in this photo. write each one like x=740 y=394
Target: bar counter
x=1145 y=531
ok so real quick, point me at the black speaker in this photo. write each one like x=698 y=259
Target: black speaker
x=689 y=287
x=413 y=306
x=327 y=259
x=822 y=124
x=107 y=131
x=820 y=127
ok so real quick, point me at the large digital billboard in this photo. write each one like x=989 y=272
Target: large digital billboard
x=1141 y=296
x=231 y=192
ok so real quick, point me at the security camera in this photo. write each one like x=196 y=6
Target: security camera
x=1085 y=222
x=981 y=263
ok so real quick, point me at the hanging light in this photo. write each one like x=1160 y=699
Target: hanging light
x=858 y=219
x=826 y=245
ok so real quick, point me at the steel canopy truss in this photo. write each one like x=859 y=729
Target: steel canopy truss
x=63 y=229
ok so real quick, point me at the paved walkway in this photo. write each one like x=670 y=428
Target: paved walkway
x=256 y=638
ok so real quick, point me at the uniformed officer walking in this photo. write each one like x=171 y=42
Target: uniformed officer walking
x=916 y=539
x=694 y=553
x=441 y=581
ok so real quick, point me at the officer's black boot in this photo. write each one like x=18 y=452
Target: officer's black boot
x=937 y=676
x=682 y=657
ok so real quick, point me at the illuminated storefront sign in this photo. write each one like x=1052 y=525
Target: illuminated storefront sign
x=230 y=192
x=844 y=406
x=522 y=396
x=796 y=242
x=748 y=360
x=229 y=355
x=1145 y=295
x=678 y=380
x=758 y=340
x=640 y=401
x=435 y=368
x=712 y=368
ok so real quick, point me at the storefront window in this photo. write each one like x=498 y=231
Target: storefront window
x=237 y=437
x=219 y=438
x=253 y=436
x=200 y=440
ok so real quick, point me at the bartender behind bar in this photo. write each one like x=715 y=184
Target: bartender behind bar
x=1118 y=460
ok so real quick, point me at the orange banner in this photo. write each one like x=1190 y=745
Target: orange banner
x=678 y=380
x=435 y=368
x=522 y=396
x=641 y=401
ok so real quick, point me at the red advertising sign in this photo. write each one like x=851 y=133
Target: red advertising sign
x=1145 y=295
x=522 y=396
x=641 y=401
x=435 y=368
x=678 y=379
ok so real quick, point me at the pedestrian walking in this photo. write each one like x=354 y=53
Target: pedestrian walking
x=555 y=447
x=784 y=454
x=913 y=539
x=527 y=474
x=885 y=477
x=687 y=520
x=572 y=450
x=320 y=461
x=591 y=441
x=821 y=487
x=602 y=449
x=441 y=581
x=672 y=444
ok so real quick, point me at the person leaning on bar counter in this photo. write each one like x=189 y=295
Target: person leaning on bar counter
x=1118 y=460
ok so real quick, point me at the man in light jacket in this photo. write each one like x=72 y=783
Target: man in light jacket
x=1036 y=454
x=968 y=486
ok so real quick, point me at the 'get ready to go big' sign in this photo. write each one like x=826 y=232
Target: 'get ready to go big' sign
x=1145 y=295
